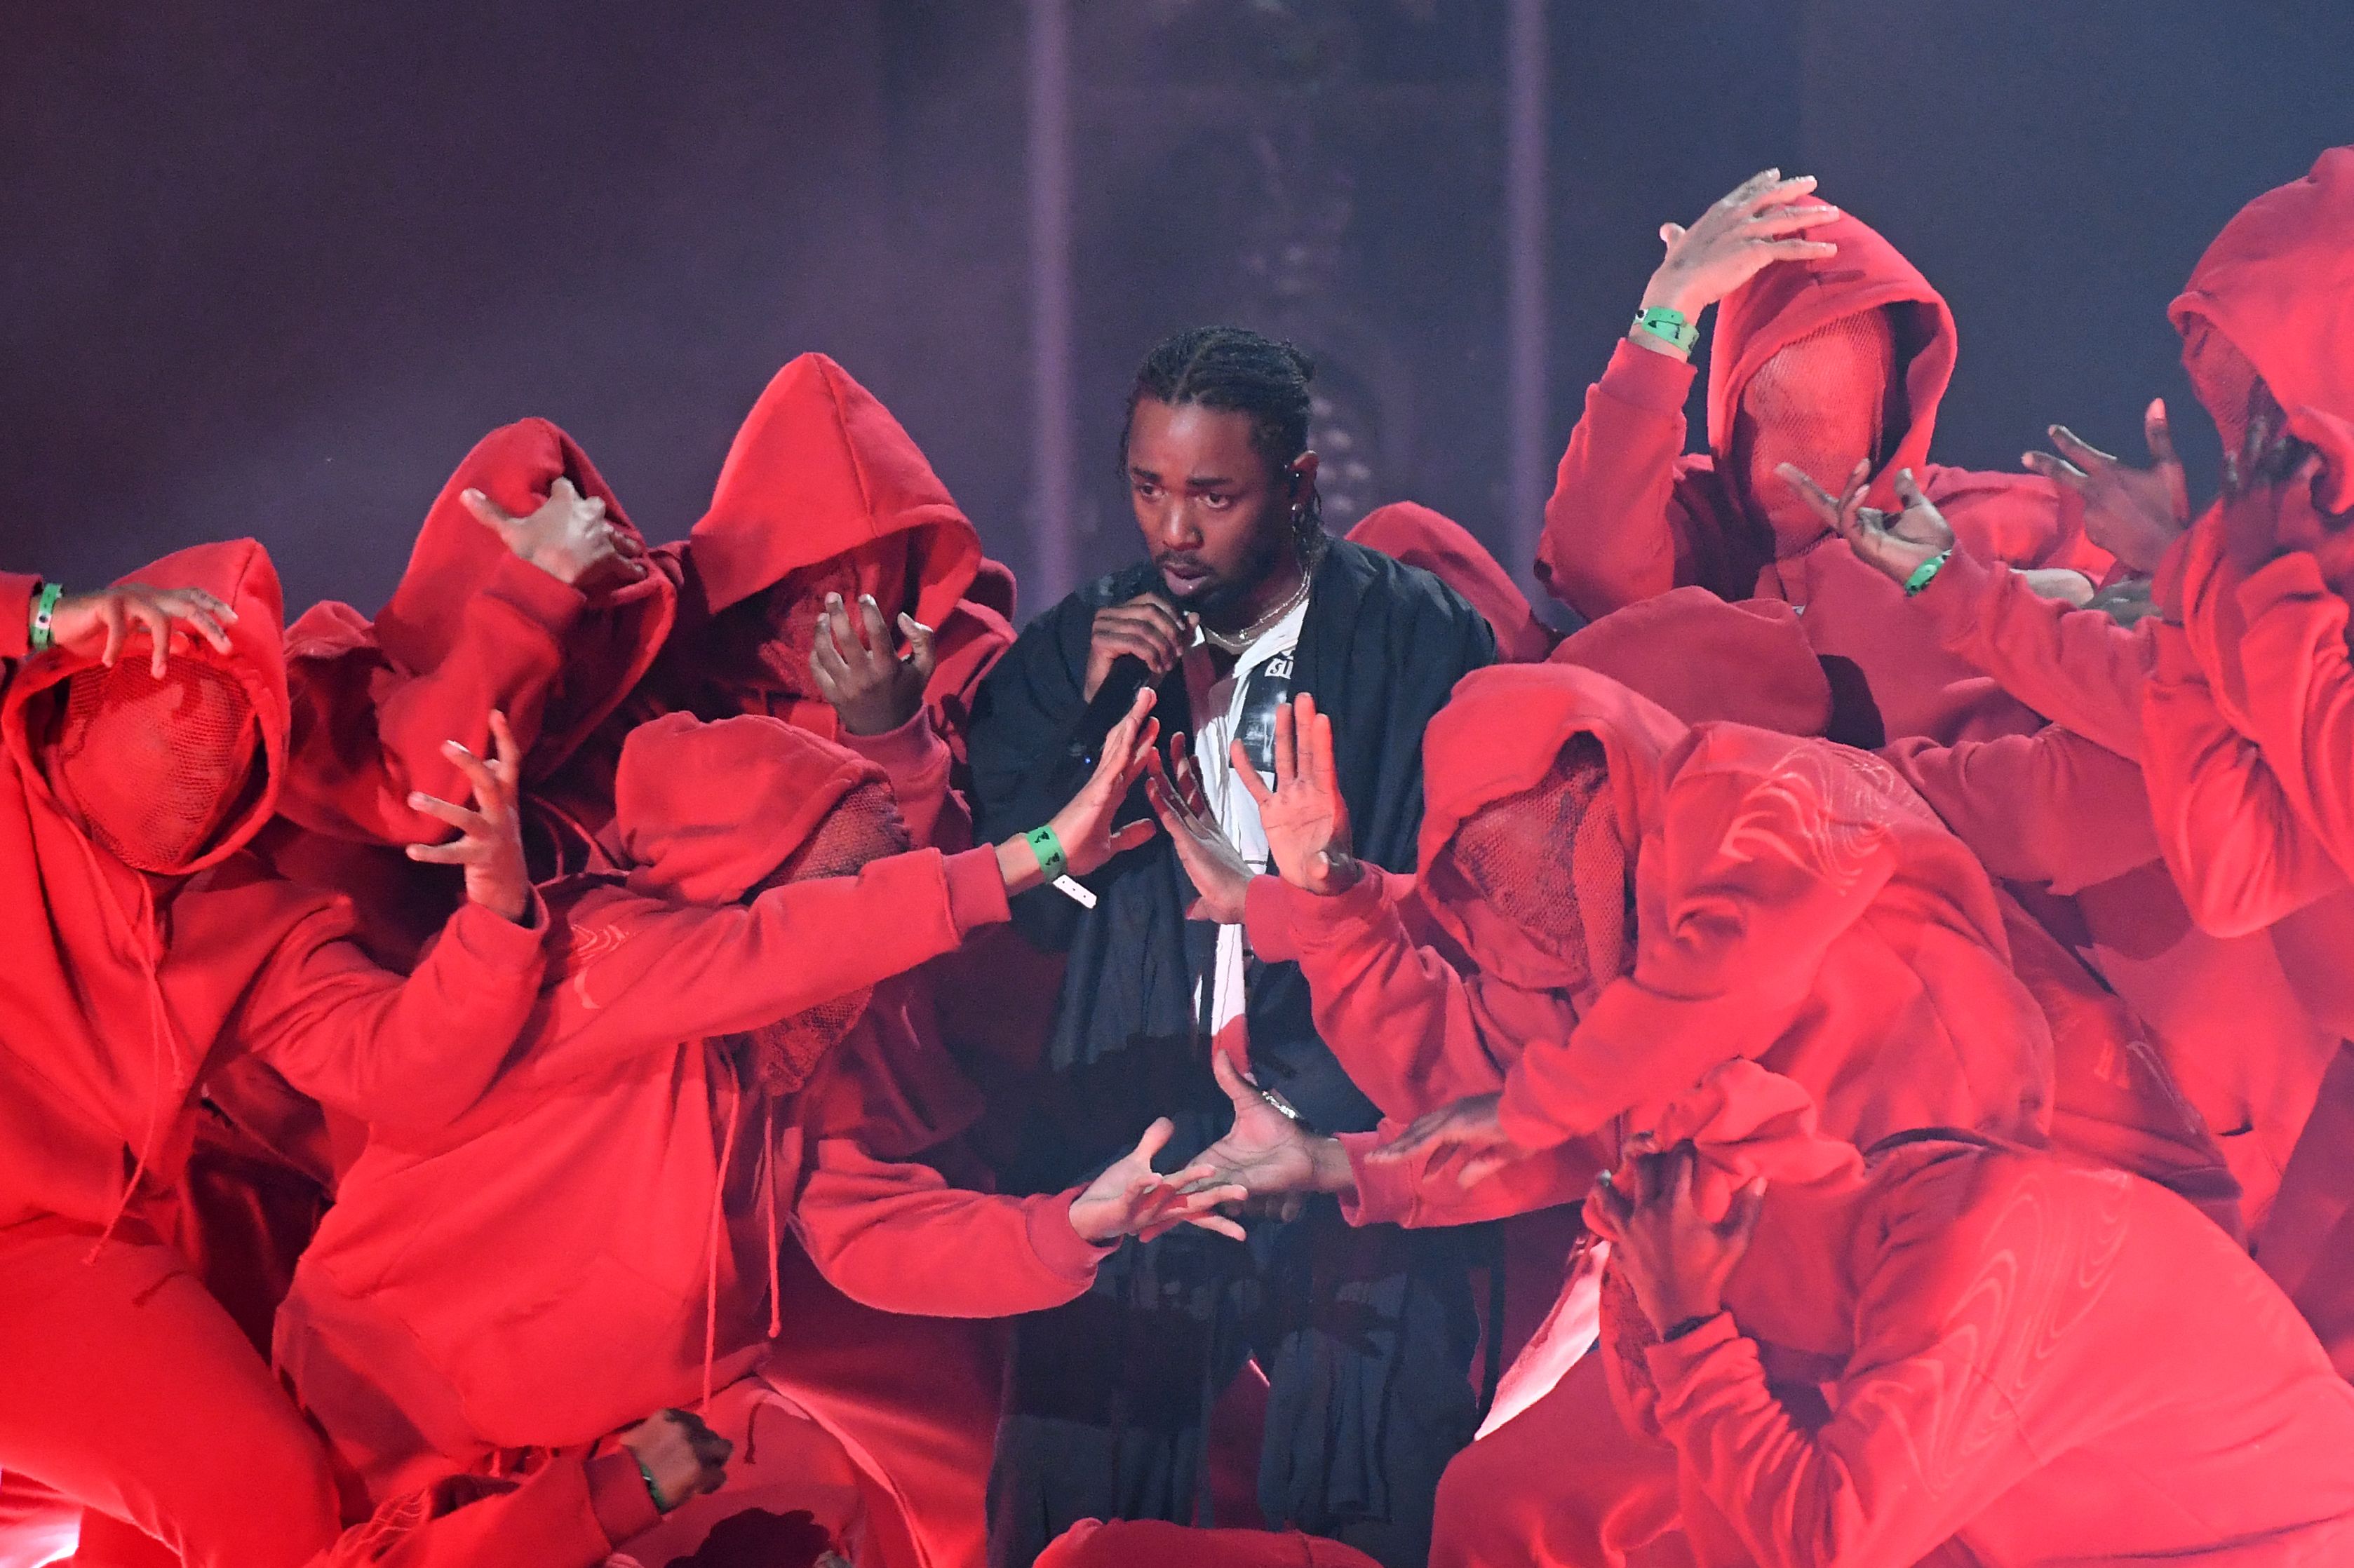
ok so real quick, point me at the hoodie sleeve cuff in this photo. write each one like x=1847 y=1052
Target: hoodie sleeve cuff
x=536 y=595
x=1065 y=1254
x=1269 y=904
x=976 y=890
x=1676 y=1365
x=16 y=591
x=903 y=752
x=489 y=939
x=1637 y=377
x=1955 y=597
x=2296 y=575
x=618 y=1497
x=1385 y=1193
x=1312 y=918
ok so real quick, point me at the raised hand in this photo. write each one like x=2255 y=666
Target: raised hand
x=1219 y=874
x=2268 y=490
x=490 y=837
x=1470 y=1124
x=679 y=1455
x=1270 y=1159
x=1676 y=1261
x=567 y=537
x=1130 y=1199
x=872 y=690
x=1304 y=816
x=1084 y=828
x=1897 y=543
x=2134 y=513
x=102 y=621
x=1145 y=626
x=1762 y=220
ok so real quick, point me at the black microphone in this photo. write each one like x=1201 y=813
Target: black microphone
x=1128 y=675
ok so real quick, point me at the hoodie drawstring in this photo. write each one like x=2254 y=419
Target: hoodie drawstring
x=767 y=1179
x=718 y=1223
x=163 y=1041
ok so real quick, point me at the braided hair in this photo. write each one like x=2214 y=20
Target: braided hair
x=1235 y=370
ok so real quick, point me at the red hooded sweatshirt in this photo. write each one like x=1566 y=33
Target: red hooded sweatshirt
x=628 y=1172
x=822 y=492
x=1445 y=549
x=2250 y=714
x=1632 y=516
x=2065 y=823
x=1967 y=1353
x=1789 y=900
x=126 y=989
x=471 y=627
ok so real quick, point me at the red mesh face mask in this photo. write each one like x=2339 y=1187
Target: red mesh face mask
x=155 y=768
x=766 y=639
x=1818 y=404
x=2223 y=379
x=862 y=827
x=1549 y=862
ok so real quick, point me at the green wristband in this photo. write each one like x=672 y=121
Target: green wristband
x=652 y=1490
x=1668 y=326
x=45 y=610
x=1926 y=573
x=1043 y=844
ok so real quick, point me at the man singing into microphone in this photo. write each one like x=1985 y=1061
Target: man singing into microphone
x=1365 y=1336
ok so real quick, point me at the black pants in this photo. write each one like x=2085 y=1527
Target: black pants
x=1366 y=1335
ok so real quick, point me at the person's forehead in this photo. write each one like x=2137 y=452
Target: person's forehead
x=1191 y=440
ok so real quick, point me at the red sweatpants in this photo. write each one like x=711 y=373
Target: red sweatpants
x=124 y=1385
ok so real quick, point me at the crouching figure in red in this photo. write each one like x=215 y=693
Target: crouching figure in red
x=145 y=736
x=728 y=1049
x=1949 y=1350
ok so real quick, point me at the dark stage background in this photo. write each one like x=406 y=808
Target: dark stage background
x=270 y=268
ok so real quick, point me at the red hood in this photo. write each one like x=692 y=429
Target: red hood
x=1703 y=657
x=608 y=647
x=1498 y=736
x=680 y=797
x=1790 y=299
x=97 y=1050
x=820 y=471
x=239 y=573
x=2278 y=285
x=1416 y=535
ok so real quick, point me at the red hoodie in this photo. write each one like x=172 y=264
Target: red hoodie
x=1631 y=516
x=2250 y=714
x=822 y=492
x=633 y=1188
x=2066 y=824
x=1791 y=900
x=125 y=988
x=1972 y=1353
x=471 y=628
x=1445 y=549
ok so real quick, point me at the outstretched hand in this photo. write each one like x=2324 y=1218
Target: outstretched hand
x=1268 y=1157
x=1470 y=1124
x=490 y=837
x=567 y=537
x=1305 y=818
x=1897 y=544
x=1220 y=875
x=2134 y=513
x=103 y=622
x=1084 y=828
x=1762 y=220
x=1131 y=1199
x=874 y=691
x=1676 y=1262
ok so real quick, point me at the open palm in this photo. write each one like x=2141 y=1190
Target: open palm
x=1304 y=817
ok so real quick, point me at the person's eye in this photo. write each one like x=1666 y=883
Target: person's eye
x=1217 y=503
x=1146 y=489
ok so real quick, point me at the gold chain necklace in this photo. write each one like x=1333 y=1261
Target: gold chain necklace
x=1237 y=641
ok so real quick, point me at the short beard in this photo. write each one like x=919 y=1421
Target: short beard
x=1221 y=602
